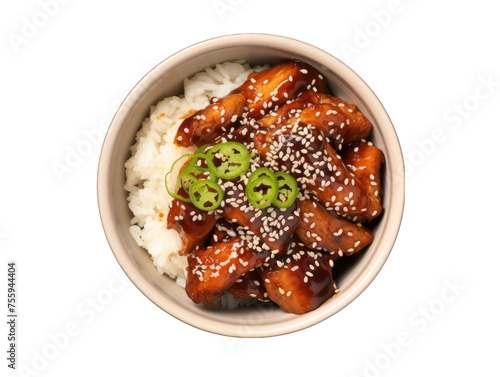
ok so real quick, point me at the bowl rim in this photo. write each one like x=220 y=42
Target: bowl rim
x=103 y=183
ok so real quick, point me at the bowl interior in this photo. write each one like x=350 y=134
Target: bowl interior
x=166 y=80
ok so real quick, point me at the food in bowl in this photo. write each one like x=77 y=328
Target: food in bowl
x=269 y=180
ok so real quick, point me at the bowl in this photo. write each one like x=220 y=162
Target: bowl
x=165 y=80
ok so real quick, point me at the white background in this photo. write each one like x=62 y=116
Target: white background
x=426 y=60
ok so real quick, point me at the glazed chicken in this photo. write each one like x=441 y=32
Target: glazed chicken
x=213 y=270
x=249 y=286
x=322 y=230
x=267 y=90
x=275 y=228
x=340 y=121
x=365 y=161
x=193 y=224
x=289 y=122
x=313 y=162
x=205 y=125
x=301 y=280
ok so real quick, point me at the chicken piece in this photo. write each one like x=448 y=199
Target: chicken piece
x=340 y=121
x=249 y=286
x=290 y=110
x=213 y=270
x=320 y=229
x=269 y=89
x=274 y=226
x=304 y=154
x=357 y=125
x=223 y=232
x=301 y=280
x=193 y=225
x=352 y=199
x=365 y=161
x=242 y=131
x=207 y=124
x=324 y=117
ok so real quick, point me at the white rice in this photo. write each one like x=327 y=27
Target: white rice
x=153 y=155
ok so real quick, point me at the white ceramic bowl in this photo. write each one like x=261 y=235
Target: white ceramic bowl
x=166 y=80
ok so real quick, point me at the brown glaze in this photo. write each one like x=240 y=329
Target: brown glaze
x=357 y=125
x=213 y=270
x=249 y=286
x=365 y=161
x=272 y=225
x=192 y=224
x=316 y=165
x=205 y=125
x=340 y=122
x=351 y=196
x=321 y=229
x=269 y=89
x=242 y=131
x=223 y=232
x=301 y=280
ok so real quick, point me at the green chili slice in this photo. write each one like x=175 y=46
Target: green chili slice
x=206 y=195
x=287 y=190
x=187 y=180
x=234 y=160
x=195 y=170
x=178 y=182
x=201 y=150
x=262 y=188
